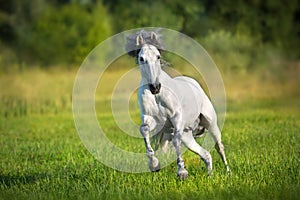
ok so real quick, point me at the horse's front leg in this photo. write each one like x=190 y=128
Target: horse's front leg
x=182 y=173
x=147 y=126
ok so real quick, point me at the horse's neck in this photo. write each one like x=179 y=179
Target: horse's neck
x=165 y=76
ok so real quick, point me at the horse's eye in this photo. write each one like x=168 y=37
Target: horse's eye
x=158 y=57
x=142 y=59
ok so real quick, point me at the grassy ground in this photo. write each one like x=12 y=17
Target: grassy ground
x=42 y=157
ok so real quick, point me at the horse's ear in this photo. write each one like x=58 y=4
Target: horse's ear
x=139 y=40
x=154 y=36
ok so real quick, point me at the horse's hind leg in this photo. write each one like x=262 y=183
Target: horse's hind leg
x=215 y=131
x=190 y=143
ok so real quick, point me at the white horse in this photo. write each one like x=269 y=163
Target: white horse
x=174 y=108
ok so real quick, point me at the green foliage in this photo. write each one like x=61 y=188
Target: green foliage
x=187 y=17
x=136 y=14
x=64 y=31
x=235 y=52
x=58 y=34
x=274 y=22
x=69 y=35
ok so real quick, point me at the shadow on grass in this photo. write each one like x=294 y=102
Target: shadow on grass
x=11 y=180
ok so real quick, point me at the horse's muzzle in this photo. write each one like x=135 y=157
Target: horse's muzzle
x=154 y=88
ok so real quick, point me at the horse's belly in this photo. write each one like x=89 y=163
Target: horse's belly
x=190 y=113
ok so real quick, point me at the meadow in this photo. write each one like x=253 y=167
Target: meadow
x=42 y=156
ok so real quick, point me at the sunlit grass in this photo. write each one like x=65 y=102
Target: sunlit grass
x=42 y=156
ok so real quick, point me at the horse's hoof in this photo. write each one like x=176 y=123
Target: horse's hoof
x=183 y=174
x=155 y=169
x=154 y=165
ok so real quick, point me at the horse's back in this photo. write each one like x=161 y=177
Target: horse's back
x=190 y=81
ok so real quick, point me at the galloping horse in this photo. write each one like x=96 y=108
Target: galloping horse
x=174 y=108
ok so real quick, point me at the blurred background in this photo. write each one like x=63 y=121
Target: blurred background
x=255 y=44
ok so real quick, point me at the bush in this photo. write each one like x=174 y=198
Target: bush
x=66 y=36
x=238 y=52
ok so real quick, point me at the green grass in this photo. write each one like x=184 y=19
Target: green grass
x=42 y=156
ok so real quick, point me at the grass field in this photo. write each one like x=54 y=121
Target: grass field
x=42 y=156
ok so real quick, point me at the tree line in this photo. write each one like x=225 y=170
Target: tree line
x=52 y=32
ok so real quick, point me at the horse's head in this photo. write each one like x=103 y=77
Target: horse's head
x=149 y=62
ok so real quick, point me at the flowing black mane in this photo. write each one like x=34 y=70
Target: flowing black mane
x=133 y=48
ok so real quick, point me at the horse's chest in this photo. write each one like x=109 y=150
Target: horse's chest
x=155 y=107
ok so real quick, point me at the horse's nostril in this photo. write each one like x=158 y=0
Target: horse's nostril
x=154 y=88
x=151 y=86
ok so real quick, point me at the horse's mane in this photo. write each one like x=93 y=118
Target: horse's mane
x=131 y=45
